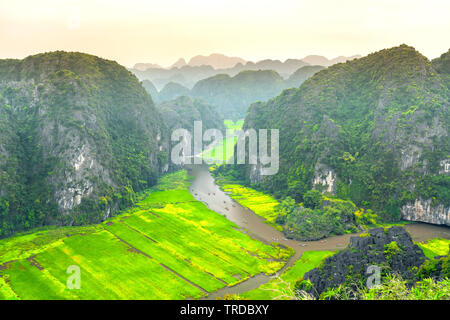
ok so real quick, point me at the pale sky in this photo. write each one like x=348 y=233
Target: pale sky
x=161 y=31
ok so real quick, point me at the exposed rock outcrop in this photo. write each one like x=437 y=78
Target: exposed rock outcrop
x=391 y=249
x=424 y=211
x=325 y=179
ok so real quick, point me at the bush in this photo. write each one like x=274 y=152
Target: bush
x=312 y=199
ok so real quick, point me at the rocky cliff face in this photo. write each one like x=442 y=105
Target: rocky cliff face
x=83 y=137
x=392 y=250
x=424 y=211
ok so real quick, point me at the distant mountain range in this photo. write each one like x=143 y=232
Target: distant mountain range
x=322 y=61
x=216 y=60
x=145 y=66
x=231 y=96
x=202 y=67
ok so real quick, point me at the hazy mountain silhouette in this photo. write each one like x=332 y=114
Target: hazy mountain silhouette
x=202 y=67
x=180 y=63
x=145 y=66
x=323 y=61
x=215 y=60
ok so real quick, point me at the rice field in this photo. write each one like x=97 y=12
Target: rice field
x=225 y=149
x=260 y=203
x=169 y=246
x=435 y=247
x=282 y=287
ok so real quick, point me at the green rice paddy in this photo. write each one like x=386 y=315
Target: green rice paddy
x=260 y=203
x=435 y=247
x=283 y=287
x=169 y=246
x=225 y=149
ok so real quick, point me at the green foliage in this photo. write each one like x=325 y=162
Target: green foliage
x=233 y=95
x=394 y=288
x=391 y=249
x=288 y=284
x=312 y=199
x=304 y=285
x=57 y=109
x=358 y=119
x=435 y=268
x=336 y=217
x=157 y=244
x=366 y=217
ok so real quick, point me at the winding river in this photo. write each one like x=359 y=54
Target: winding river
x=204 y=189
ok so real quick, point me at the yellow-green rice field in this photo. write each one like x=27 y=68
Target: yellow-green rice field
x=169 y=246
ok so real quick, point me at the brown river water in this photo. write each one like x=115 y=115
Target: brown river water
x=204 y=189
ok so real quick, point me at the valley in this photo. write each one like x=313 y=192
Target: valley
x=160 y=256
x=151 y=251
x=206 y=190
x=91 y=197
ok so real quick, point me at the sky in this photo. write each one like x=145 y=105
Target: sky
x=161 y=31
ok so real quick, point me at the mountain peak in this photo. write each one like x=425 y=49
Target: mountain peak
x=323 y=61
x=216 y=60
x=180 y=63
x=144 y=66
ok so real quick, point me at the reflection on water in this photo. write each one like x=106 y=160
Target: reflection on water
x=204 y=189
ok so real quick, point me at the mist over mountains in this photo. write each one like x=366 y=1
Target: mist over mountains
x=201 y=67
x=231 y=95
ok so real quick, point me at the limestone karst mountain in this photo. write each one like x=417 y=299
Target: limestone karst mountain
x=79 y=136
x=373 y=130
x=233 y=95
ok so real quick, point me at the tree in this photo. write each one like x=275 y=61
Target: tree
x=312 y=199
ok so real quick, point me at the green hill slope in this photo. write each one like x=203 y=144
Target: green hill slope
x=233 y=95
x=183 y=111
x=373 y=130
x=78 y=136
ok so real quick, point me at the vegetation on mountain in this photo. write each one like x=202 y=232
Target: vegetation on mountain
x=375 y=127
x=171 y=91
x=79 y=136
x=233 y=95
x=317 y=220
x=151 y=89
x=390 y=250
x=301 y=75
x=183 y=111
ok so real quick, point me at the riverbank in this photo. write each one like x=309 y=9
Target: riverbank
x=168 y=246
x=205 y=189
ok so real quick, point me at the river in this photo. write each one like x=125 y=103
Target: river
x=204 y=188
